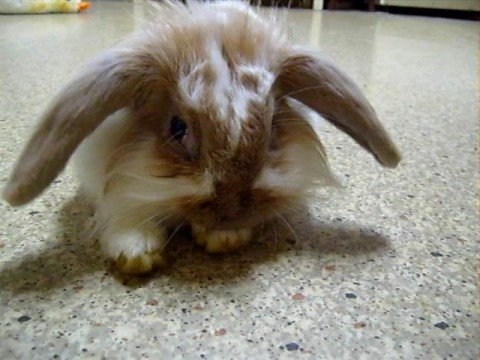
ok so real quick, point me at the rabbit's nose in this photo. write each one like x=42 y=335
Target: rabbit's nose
x=240 y=202
x=236 y=205
x=230 y=208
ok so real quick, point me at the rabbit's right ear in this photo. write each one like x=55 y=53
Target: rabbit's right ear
x=105 y=86
x=321 y=85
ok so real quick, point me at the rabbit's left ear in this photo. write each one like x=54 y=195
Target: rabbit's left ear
x=105 y=86
x=322 y=86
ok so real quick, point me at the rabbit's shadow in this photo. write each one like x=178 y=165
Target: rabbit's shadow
x=76 y=255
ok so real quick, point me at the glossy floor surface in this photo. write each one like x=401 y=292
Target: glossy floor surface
x=384 y=268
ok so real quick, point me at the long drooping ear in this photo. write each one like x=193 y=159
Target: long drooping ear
x=320 y=85
x=105 y=86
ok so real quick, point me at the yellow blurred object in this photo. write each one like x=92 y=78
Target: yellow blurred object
x=42 y=6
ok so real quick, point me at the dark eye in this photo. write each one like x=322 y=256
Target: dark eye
x=178 y=128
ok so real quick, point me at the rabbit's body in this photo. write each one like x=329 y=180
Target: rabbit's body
x=207 y=123
x=131 y=216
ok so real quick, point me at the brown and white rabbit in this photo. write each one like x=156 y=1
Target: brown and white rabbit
x=200 y=118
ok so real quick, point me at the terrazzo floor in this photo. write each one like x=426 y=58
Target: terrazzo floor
x=384 y=268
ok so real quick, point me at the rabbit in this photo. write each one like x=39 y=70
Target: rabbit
x=204 y=117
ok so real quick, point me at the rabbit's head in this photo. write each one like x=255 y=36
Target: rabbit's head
x=220 y=131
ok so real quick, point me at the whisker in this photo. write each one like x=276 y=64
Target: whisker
x=274 y=237
x=174 y=232
x=300 y=91
x=262 y=229
x=159 y=221
x=288 y=226
x=290 y=121
x=169 y=140
x=275 y=113
x=289 y=118
x=119 y=149
x=290 y=209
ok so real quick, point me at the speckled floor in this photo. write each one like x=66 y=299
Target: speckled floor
x=385 y=268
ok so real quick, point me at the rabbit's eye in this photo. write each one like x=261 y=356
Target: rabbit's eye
x=178 y=128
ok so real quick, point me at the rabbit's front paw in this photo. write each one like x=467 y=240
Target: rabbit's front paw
x=135 y=251
x=219 y=241
x=140 y=264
